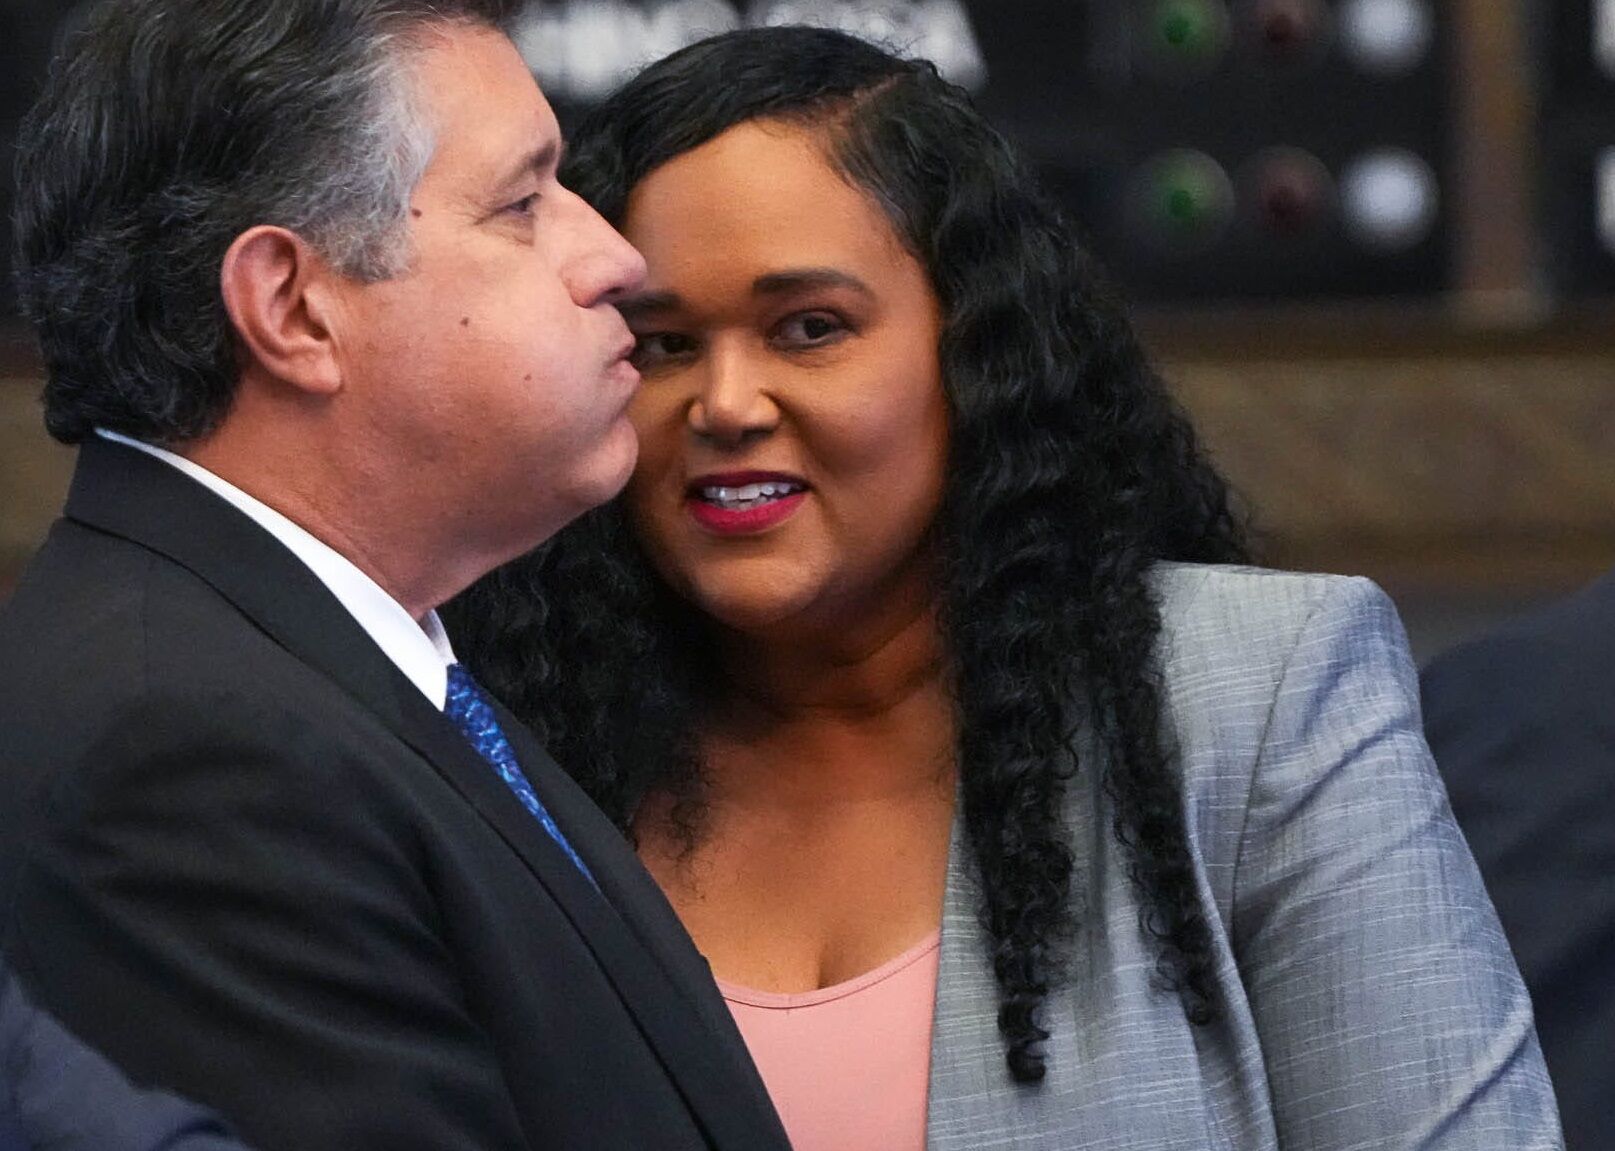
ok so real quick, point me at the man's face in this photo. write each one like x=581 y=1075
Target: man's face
x=492 y=376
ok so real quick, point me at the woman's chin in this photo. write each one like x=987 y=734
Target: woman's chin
x=758 y=610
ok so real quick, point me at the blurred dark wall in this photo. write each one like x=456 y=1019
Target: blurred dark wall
x=28 y=30
x=1439 y=416
x=1200 y=144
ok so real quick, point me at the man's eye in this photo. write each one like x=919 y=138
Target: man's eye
x=524 y=206
x=810 y=328
x=652 y=348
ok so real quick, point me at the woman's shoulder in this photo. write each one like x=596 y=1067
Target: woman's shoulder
x=1210 y=597
x=1232 y=618
x=1241 y=647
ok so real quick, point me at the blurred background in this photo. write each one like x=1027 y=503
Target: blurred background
x=1371 y=243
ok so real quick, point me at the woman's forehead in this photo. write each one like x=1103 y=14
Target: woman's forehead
x=760 y=195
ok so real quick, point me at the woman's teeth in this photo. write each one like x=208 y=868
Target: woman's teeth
x=748 y=496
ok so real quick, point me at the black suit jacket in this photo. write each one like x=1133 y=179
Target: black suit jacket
x=55 y=1092
x=1522 y=724
x=252 y=863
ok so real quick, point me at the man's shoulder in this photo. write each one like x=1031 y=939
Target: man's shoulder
x=1586 y=618
x=1530 y=702
x=1543 y=669
x=71 y=644
x=97 y=620
x=1566 y=647
x=124 y=675
x=77 y=571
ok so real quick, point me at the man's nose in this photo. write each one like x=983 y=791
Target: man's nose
x=608 y=266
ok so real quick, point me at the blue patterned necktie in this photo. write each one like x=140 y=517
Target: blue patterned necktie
x=469 y=710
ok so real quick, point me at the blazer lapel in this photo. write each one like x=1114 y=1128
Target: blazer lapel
x=130 y=494
x=973 y=1101
x=965 y=1082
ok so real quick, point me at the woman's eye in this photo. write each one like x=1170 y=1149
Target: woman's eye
x=654 y=347
x=810 y=329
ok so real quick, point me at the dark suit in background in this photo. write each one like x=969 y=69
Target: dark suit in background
x=254 y=864
x=56 y=1093
x=1522 y=723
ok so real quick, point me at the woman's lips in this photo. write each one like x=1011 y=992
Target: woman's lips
x=743 y=521
x=744 y=503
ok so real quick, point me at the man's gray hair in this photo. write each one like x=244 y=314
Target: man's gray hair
x=168 y=128
x=354 y=206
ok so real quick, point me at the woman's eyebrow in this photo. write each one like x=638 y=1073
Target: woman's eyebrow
x=647 y=303
x=802 y=279
x=782 y=283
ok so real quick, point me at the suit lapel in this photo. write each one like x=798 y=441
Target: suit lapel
x=640 y=960
x=623 y=879
x=681 y=971
x=127 y=493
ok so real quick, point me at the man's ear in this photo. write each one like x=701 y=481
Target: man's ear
x=276 y=291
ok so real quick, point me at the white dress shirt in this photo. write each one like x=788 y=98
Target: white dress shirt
x=420 y=650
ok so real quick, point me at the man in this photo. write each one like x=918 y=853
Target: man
x=57 y=1093
x=334 y=342
x=1522 y=723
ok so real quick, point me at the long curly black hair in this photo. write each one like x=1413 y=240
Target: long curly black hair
x=1071 y=473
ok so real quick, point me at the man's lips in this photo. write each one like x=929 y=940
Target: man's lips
x=621 y=367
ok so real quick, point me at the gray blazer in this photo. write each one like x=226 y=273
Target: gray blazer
x=1370 y=1001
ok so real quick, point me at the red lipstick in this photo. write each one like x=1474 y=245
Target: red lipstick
x=744 y=503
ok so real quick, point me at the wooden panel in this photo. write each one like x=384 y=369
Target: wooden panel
x=34 y=472
x=1450 y=473
x=1495 y=158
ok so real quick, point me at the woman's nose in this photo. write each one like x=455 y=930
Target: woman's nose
x=733 y=402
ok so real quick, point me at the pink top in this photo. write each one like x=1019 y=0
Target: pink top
x=847 y=1066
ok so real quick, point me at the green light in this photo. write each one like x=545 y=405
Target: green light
x=1183 y=207
x=1179 y=29
x=1191 y=27
x=1187 y=198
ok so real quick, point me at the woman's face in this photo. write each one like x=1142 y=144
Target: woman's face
x=792 y=426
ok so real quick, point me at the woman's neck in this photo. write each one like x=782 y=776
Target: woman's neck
x=852 y=670
x=862 y=713
x=828 y=803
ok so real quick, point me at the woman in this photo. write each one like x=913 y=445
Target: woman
x=903 y=661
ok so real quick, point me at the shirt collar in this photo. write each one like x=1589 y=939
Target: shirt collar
x=420 y=650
